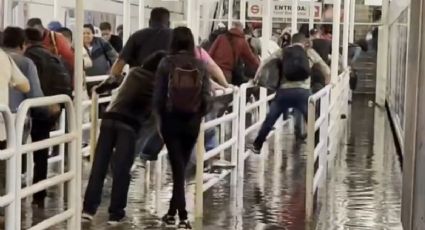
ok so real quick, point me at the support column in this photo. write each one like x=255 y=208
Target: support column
x=230 y=14
x=193 y=17
x=345 y=35
x=126 y=20
x=294 y=17
x=75 y=196
x=56 y=10
x=382 y=57
x=7 y=13
x=352 y=20
x=311 y=15
x=413 y=201
x=335 y=39
x=267 y=23
x=243 y=12
x=141 y=14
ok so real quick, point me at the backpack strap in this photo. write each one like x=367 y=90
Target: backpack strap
x=52 y=35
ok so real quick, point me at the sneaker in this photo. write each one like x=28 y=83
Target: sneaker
x=184 y=224
x=169 y=221
x=86 y=217
x=115 y=221
x=253 y=149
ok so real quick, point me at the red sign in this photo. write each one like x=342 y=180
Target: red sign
x=255 y=9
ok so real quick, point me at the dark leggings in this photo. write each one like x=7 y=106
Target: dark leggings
x=180 y=134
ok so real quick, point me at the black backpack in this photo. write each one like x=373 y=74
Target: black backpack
x=185 y=88
x=296 y=66
x=54 y=76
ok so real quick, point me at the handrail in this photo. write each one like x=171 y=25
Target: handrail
x=333 y=100
x=98 y=78
x=74 y=159
x=9 y=198
x=201 y=155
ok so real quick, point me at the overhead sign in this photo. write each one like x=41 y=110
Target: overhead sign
x=283 y=9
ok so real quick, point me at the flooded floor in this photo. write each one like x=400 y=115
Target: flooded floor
x=364 y=187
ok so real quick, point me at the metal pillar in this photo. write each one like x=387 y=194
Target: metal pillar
x=75 y=223
x=294 y=17
x=243 y=12
x=335 y=39
x=126 y=20
x=7 y=13
x=413 y=201
x=311 y=15
x=193 y=17
x=345 y=34
x=141 y=14
x=267 y=23
x=230 y=14
x=382 y=60
x=56 y=10
x=352 y=20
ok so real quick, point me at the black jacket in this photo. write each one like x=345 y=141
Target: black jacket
x=133 y=102
x=116 y=42
x=166 y=66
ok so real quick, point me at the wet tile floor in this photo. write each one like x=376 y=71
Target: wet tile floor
x=364 y=188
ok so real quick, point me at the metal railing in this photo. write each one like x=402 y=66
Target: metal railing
x=202 y=156
x=73 y=174
x=8 y=200
x=261 y=105
x=92 y=123
x=326 y=109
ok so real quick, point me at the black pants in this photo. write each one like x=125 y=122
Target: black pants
x=180 y=136
x=41 y=131
x=118 y=135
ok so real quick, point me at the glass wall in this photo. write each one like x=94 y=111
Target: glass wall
x=397 y=61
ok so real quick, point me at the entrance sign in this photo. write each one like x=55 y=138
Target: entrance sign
x=283 y=9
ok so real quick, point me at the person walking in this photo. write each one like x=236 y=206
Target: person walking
x=181 y=99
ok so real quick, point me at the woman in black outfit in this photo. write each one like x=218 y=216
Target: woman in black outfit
x=180 y=109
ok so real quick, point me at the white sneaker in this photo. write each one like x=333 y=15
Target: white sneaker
x=85 y=217
x=114 y=222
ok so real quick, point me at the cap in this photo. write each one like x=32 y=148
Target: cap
x=54 y=25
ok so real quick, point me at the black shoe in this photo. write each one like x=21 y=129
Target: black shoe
x=300 y=137
x=39 y=203
x=169 y=221
x=184 y=224
x=254 y=149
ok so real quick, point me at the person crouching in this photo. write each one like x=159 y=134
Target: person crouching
x=121 y=122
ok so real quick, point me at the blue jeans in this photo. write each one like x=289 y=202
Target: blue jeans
x=296 y=98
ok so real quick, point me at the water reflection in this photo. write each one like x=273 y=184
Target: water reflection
x=365 y=185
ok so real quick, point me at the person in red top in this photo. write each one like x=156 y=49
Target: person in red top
x=228 y=48
x=55 y=42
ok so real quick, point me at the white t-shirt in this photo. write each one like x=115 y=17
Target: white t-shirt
x=10 y=76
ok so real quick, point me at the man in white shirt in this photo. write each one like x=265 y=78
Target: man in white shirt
x=10 y=76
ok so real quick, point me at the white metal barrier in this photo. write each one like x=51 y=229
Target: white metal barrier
x=261 y=104
x=8 y=200
x=72 y=176
x=202 y=156
x=325 y=110
x=92 y=123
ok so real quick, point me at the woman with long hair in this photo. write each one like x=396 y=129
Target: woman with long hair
x=181 y=99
